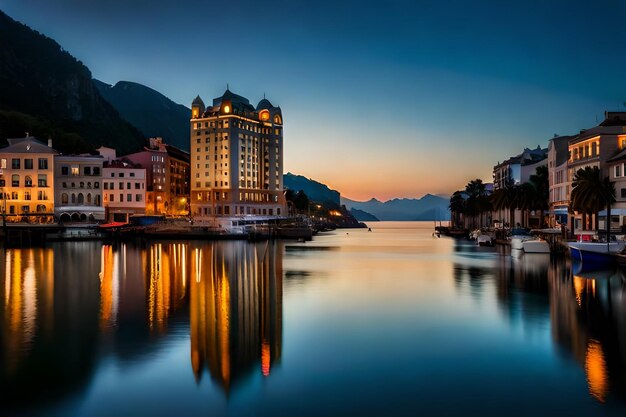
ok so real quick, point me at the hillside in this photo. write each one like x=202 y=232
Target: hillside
x=316 y=191
x=363 y=216
x=44 y=90
x=429 y=207
x=149 y=111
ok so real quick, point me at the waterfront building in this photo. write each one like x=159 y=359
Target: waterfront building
x=518 y=169
x=179 y=177
x=615 y=167
x=124 y=184
x=515 y=171
x=27 y=180
x=559 y=181
x=77 y=191
x=154 y=158
x=236 y=159
x=595 y=147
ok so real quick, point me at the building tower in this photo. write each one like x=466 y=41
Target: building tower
x=236 y=159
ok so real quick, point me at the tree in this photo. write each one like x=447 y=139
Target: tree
x=477 y=199
x=457 y=208
x=301 y=201
x=591 y=193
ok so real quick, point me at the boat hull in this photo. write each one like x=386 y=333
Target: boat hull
x=536 y=246
x=597 y=254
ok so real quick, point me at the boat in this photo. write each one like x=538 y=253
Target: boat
x=484 y=240
x=535 y=246
x=595 y=252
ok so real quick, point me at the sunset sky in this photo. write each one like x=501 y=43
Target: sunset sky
x=381 y=99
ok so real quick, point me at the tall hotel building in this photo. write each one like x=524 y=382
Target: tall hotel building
x=236 y=159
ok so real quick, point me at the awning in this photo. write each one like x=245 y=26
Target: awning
x=614 y=212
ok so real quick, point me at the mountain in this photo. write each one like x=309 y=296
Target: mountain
x=429 y=207
x=316 y=191
x=149 y=111
x=44 y=90
x=363 y=216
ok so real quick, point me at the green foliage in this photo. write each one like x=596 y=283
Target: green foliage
x=47 y=92
x=590 y=191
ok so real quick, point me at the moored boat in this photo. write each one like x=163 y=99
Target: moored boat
x=535 y=246
x=595 y=252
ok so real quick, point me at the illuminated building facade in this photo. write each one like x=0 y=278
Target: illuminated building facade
x=155 y=160
x=124 y=188
x=597 y=147
x=236 y=159
x=77 y=191
x=558 y=180
x=179 y=176
x=27 y=180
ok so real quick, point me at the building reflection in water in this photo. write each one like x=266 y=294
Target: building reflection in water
x=589 y=319
x=235 y=309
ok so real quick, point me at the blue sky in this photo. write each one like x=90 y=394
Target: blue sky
x=382 y=99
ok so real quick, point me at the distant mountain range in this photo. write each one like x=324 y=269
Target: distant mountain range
x=363 y=216
x=149 y=111
x=429 y=207
x=316 y=191
x=44 y=90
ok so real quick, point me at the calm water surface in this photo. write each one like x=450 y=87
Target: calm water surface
x=391 y=322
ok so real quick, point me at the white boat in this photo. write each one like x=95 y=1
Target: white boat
x=536 y=246
x=517 y=241
x=484 y=240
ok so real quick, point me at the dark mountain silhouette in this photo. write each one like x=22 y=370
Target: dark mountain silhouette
x=429 y=207
x=44 y=90
x=316 y=191
x=363 y=216
x=149 y=111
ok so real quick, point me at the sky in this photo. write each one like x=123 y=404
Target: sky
x=380 y=99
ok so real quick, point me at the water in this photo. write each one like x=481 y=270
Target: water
x=388 y=322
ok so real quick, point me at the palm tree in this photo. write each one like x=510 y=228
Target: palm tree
x=457 y=208
x=592 y=193
x=477 y=199
x=540 y=195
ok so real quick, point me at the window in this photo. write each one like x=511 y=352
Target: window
x=43 y=163
x=3 y=163
x=28 y=164
x=137 y=197
x=623 y=193
x=42 y=180
x=120 y=185
x=41 y=195
x=121 y=175
x=128 y=186
x=86 y=170
x=111 y=197
x=26 y=195
x=106 y=186
x=15 y=163
x=132 y=174
x=2 y=182
x=28 y=181
x=618 y=170
x=137 y=187
x=96 y=185
x=75 y=171
x=95 y=171
x=129 y=197
x=64 y=198
x=15 y=180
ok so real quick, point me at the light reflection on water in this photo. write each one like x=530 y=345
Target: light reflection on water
x=387 y=322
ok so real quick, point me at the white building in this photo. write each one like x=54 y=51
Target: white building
x=124 y=188
x=78 y=195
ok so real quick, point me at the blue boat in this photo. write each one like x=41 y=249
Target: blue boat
x=595 y=253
